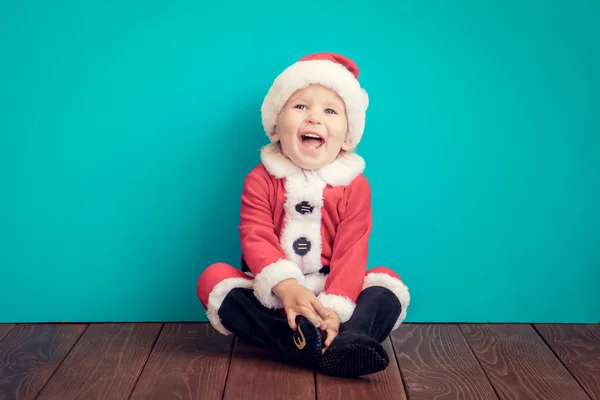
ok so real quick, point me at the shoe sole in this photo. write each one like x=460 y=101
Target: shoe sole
x=352 y=360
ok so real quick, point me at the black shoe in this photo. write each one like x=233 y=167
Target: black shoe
x=351 y=355
x=358 y=349
x=243 y=315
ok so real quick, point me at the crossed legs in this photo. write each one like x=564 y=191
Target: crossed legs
x=227 y=295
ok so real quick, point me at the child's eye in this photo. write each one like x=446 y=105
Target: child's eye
x=300 y=106
x=330 y=111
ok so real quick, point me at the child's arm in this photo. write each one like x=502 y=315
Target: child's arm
x=348 y=263
x=260 y=245
x=266 y=258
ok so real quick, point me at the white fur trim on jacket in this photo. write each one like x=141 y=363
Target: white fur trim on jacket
x=343 y=170
x=327 y=73
x=315 y=282
x=340 y=172
x=303 y=187
x=395 y=285
x=216 y=297
x=270 y=276
x=343 y=306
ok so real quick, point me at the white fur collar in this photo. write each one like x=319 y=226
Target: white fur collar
x=341 y=172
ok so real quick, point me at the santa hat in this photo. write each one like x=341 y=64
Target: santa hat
x=334 y=71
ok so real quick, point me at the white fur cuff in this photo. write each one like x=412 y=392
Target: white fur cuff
x=270 y=276
x=216 y=297
x=343 y=306
x=396 y=286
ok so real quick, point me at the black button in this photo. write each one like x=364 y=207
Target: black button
x=301 y=246
x=304 y=207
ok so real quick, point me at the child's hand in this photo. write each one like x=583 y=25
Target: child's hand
x=298 y=300
x=332 y=323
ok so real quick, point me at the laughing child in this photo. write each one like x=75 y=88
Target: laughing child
x=303 y=291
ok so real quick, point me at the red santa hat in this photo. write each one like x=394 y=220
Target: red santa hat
x=334 y=71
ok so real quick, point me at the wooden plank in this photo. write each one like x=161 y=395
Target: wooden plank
x=104 y=364
x=4 y=329
x=437 y=363
x=29 y=355
x=257 y=375
x=189 y=361
x=578 y=347
x=519 y=364
x=386 y=384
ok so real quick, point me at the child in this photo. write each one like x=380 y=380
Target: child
x=303 y=291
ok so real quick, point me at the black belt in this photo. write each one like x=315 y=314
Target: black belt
x=324 y=270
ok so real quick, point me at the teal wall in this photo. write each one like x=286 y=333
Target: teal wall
x=126 y=129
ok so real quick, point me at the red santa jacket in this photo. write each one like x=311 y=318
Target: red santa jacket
x=295 y=222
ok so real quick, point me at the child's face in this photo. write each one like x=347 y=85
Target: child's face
x=312 y=127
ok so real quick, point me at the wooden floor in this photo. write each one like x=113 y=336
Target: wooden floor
x=193 y=361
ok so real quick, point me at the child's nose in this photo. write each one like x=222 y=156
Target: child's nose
x=313 y=118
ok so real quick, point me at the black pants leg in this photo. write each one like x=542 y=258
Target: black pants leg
x=358 y=350
x=376 y=312
x=243 y=315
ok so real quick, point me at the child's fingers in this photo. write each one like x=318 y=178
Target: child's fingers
x=331 y=334
x=293 y=313
x=312 y=316
x=329 y=339
x=291 y=317
x=318 y=307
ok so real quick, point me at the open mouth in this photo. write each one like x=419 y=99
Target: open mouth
x=312 y=140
